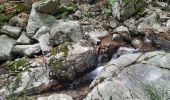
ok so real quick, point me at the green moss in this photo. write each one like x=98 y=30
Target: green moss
x=65 y=50
x=60 y=48
x=56 y=65
x=157 y=17
x=14 y=65
x=53 y=51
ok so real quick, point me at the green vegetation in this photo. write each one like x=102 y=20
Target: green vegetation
x=70 y=7
x=106 y=10
x=157 y=17
x=113 y=2
x=14 y=65
x=61 y=48
x=2 y=7
x=154 y=93
x=16 y=8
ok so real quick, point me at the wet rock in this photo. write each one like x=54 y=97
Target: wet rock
x=26 y=50
x=137 y=43
x=12 y=31
x=38 y=19
x=142 y=74
x=65 y=31
x=47 y=6
x=6 y=44
x=124 y=50
x=71 y=60
x=158 y=42
x=42 y=35
x=56 y=97
x=95 y=36
x=23 y=39
x=124 y=9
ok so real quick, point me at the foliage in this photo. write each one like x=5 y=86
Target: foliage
x=15 y=66
x=154 y=93
x=16 y=8
x=106 y=10
x=70 y=7
x=157 y=17
x=113 y=2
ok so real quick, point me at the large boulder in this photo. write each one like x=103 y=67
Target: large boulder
x=47 y=6
x=134 y=77
x=65 y=31
x=123 y=9
x=69 y=60
x=6 y=45
x=38 y=19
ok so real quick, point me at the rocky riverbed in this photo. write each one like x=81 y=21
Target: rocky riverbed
x=84 y=49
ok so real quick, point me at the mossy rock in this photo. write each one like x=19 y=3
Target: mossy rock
x=61 y=48
x=14 y=65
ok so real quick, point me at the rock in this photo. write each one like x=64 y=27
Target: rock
x=47 y=6
x=42 y=35
x=56 y=97
x=17 y=21
x=12 y=31
x=124 y=50
x=95 y=36
x=26 y=50
x=65 y=31
x=137 y=43
x=113 y=24
x=23 y=39
x=7 y=44
x=71 y=60
x=38 y=19
x=123 y=32
x=161 y=5
x=152 y=21
x=116 y=37
x=32 y=78
x=168 y=24
x=124 y=9
x=144 y=75
x=78 y=14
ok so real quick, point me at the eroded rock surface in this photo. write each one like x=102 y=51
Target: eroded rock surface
x=133 y=76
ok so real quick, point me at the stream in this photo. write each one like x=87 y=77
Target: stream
x=79 y=88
